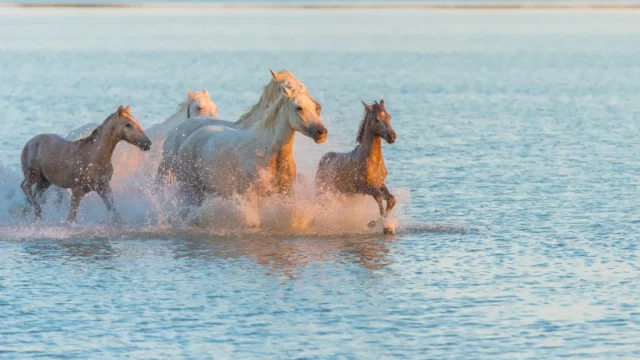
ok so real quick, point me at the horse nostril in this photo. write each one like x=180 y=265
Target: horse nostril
x=321 y=131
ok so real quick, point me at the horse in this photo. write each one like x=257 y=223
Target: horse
x=83 y=165
x=171 y=146
x=362 y=170
x=128 y=159
x=270 y=94
x=256 y=162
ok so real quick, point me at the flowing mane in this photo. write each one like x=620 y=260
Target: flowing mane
x=270 y=118
x=271 y=92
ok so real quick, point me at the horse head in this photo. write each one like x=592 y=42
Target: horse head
x=378 y=121
x=127 y=128
x=199 y=104
x=303 y=114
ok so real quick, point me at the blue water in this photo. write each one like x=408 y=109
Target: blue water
x=516 y=170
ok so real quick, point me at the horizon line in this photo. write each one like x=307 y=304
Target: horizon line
x=354 y=6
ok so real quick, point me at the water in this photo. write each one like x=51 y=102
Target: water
x=516 y=169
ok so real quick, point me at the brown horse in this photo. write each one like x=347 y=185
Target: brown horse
x=83 y=165
x=362 y=171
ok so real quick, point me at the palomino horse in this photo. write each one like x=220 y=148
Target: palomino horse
x=256 y=162
x=362 y=171
x=83 y=165
x=270 y=94
x=127 y=159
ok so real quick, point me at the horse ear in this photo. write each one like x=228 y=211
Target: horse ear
x=366 y=106
x=206 y=92
x=127 y=109
x=120 y=110
x=190 y=93
x=381 y=101
x=275 y=75
x=288 y=92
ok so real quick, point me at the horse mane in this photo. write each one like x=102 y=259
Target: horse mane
x=95 y=133
x=270 y=93
x=181 y=106
x=375 y=108
x=270 y=118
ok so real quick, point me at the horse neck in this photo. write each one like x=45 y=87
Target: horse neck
x=371 y=146
x=102 y=148
x=279 y=136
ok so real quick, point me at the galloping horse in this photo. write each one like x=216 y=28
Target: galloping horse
x=270 y=95
x=83 y=165
x=256 y=162
x=128 y=159
x=362 y=171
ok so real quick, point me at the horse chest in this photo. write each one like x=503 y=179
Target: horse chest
x=374 y=173
x=281 y=171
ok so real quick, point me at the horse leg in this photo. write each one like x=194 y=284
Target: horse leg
x=76 y=195
x=26 y=186
x=186 y=199
x=41 y=187
x=391 y=200
x=105 y=193
x=60 y=195
x=252 y=213
x=377 y=195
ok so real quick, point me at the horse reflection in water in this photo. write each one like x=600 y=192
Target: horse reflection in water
x=290 y=256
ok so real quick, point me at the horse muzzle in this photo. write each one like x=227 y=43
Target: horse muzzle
x=144 y=145
x=391 y=137
x=319 y=134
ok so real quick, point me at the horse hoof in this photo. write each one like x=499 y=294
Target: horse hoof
x=371 y=224
x=388 y=230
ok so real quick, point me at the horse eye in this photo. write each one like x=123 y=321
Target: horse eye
x=128 y=126
x=299 y=108
x=199 y=108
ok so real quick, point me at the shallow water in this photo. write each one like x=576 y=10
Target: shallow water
x=516 y=169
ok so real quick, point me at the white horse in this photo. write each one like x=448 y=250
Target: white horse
x=127 y=159
x=256 y=162
x=270 y=94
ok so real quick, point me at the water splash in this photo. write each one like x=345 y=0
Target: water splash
x=148 y=213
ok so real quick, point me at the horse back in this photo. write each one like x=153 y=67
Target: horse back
x=37 y=144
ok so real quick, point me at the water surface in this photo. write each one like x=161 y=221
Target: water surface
x=516 y=169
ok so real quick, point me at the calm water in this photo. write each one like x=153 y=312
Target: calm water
x=516 y=169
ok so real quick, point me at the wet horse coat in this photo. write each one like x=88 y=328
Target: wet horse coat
x=362 y=170
x=256 y=162
x=270 y=94
x=83 y=165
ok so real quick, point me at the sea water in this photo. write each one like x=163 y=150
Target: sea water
x=515 y=167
